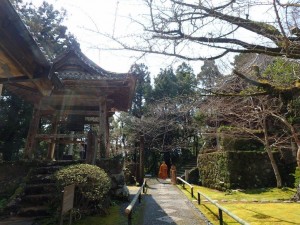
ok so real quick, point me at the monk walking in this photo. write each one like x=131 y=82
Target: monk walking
x=163 y=171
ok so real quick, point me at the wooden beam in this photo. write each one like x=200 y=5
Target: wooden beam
x=19 y=79
x=54 y=136
x=87 y=113
x=24 y=87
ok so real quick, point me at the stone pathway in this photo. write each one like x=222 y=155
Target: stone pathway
x=165 y=204
x=17 y=221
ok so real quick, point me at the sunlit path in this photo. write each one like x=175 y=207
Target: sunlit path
x=165 y=204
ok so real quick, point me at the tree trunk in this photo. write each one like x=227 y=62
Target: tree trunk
x=296 y=197
x=271 y=156
x=294 y=135
x=275 y=167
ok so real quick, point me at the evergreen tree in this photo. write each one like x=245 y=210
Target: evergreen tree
x=165 y=84
x=209 y=74
x=15 y=115
x=186 y=79
x=46 y=23
x=143 y=89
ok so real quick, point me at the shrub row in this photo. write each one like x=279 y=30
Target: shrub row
x=241 y=169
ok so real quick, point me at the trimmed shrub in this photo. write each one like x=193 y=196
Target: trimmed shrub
x=92 y=185
x=241 y=169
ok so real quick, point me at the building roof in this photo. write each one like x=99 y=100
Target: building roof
x=26 y=71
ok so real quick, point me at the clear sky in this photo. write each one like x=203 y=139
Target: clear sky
x=111 y=17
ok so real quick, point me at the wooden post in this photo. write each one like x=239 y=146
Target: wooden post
x=221 y=216
x=107 y=136
x=173 y=175
x=52 y=145
x=1 y=87
x=186 y=174
x=199 y=199
x=33 y=128
x=102 y=131
x=91 y=150
x=142 y=160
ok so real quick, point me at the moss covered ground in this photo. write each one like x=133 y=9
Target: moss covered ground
x=116 y=214
x=264 y=206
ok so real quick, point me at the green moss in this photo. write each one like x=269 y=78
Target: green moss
x=267 y=27
x=115 y=216
x=253 y=212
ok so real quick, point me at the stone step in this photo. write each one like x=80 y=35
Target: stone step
x=46 y=170
x=41 y=179
x=31 y=189
x=37 y=199
x=34 y=211
x=189 y=166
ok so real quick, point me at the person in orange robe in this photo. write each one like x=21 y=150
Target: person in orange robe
x=163 y=171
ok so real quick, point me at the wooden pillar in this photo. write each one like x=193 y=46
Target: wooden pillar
x=91 y=150
x=103 y=130
x=33 y=128
x=142 y=160
x=107 y=137
x=1 y=87
x=71 y=145
x=52 y=145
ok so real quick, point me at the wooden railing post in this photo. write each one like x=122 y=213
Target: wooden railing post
x=142 y=160
x=220 y=216
x=137 y=197
x=192 y=192
x=221 y=209
x=129 y=218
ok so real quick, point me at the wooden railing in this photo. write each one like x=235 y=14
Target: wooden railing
x=221 y=210
x=185 y=182
x=138 y=196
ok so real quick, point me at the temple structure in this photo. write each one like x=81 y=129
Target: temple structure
x=68 y=90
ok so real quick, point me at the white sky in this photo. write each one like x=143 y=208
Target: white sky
x=110 y=16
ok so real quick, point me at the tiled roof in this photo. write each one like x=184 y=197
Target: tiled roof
x=86 y=69
x=78 y=75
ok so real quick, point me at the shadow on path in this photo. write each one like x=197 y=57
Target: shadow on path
x=165 y=204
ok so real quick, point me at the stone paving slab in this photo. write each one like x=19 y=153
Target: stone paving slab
x=166 y=205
